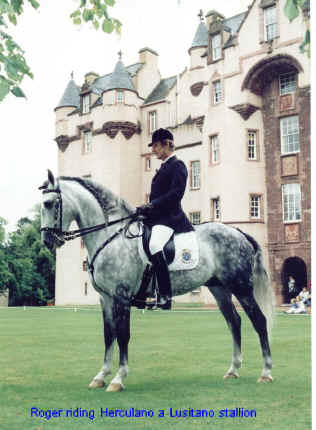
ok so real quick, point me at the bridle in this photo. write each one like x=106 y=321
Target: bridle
x=56 y=231
x=61 y=235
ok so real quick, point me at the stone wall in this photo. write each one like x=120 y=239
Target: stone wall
x=287 y=239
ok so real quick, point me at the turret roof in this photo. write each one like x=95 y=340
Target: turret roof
x=71 y=96
x=120 y=78
x=201 y=36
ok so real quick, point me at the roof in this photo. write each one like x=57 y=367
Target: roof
x=161 y=91
x=201 y=36
x=120 y=78
x=134 y=68
x=71 y=96
x=234 y=24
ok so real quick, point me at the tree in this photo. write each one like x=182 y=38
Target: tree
x=5 y=274
x=292 y=10
x=13 y=65
x=30 y=264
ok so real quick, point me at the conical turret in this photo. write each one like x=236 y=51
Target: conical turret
x=120 y=79
x=71 y=96
x=199 y=44
x=201 y=37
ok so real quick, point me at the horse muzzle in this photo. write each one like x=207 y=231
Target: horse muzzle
x=52 y=238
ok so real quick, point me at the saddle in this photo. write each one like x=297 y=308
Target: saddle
x=181 y=253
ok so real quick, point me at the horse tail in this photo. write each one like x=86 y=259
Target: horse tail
x=263 y=291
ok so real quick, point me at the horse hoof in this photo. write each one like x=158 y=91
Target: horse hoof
x=96 y=383
x=114 y=388
x=265 y=379
x=231 y=376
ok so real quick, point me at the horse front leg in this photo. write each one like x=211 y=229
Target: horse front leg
x=121 y=317
x=109 y=338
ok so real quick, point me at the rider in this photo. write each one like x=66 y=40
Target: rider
x=164 y=213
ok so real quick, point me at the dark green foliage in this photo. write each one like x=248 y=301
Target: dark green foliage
x=27 y=268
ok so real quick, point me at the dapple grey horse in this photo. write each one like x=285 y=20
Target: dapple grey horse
x=230 y=264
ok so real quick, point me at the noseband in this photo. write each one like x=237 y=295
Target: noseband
x=57 y=230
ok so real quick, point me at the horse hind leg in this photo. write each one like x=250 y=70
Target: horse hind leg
x=259 y=322
x=233 y=320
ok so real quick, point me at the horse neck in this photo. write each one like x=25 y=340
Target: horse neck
x=88 y=212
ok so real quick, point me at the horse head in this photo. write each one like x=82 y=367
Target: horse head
x=56 y=215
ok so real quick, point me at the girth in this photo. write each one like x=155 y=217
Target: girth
x=169 y=248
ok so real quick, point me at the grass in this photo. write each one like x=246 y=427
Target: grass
x=177 y=360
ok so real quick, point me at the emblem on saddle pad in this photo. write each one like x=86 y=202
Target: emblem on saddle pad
x=186 y=255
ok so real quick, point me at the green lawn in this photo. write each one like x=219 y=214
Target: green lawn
x=177 y=360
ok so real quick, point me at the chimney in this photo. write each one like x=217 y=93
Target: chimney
x=148 y=56
x=213 y=16
x=90 y=77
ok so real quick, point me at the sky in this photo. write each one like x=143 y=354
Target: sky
x=54 y=47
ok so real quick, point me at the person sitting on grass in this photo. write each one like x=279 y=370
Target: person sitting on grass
x=305 y=296
x=293 y=307
x=300 y=306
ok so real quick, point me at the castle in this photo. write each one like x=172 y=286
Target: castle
x=240 y=116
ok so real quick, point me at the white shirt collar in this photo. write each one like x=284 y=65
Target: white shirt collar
x=168 y=158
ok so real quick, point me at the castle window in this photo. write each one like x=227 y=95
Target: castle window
x=252 y=145
x=86 y=288
x=255 y=206
x=87 y=142
x=147 y=164
x=152 y=121
x=287 y=83
x=195 y=175
x=214 y=149
x=291 y=197
x=119 y=96
x=85 y=265
x=289 y=130
x=270 y=23
x=216 y=212
x=195 y=217
x=216 y=47
x=86 y=103
x=217 y=91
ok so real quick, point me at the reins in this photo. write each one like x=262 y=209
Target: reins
x=73 y=234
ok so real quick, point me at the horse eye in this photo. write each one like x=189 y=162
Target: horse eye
x=48 y=204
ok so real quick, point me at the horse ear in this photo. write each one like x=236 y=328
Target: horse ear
x=51 y=178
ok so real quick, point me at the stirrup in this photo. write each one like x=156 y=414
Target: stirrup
x=164 y=302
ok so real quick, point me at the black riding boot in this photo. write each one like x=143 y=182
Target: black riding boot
x=163 y=278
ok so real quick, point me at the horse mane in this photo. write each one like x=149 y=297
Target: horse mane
x=105 y=197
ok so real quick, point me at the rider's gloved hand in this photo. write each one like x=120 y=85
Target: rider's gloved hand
x=144 y=209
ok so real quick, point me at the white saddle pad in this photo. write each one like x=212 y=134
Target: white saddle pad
x=186 y=251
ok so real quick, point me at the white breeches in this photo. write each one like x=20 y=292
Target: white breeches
x=159 y=237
